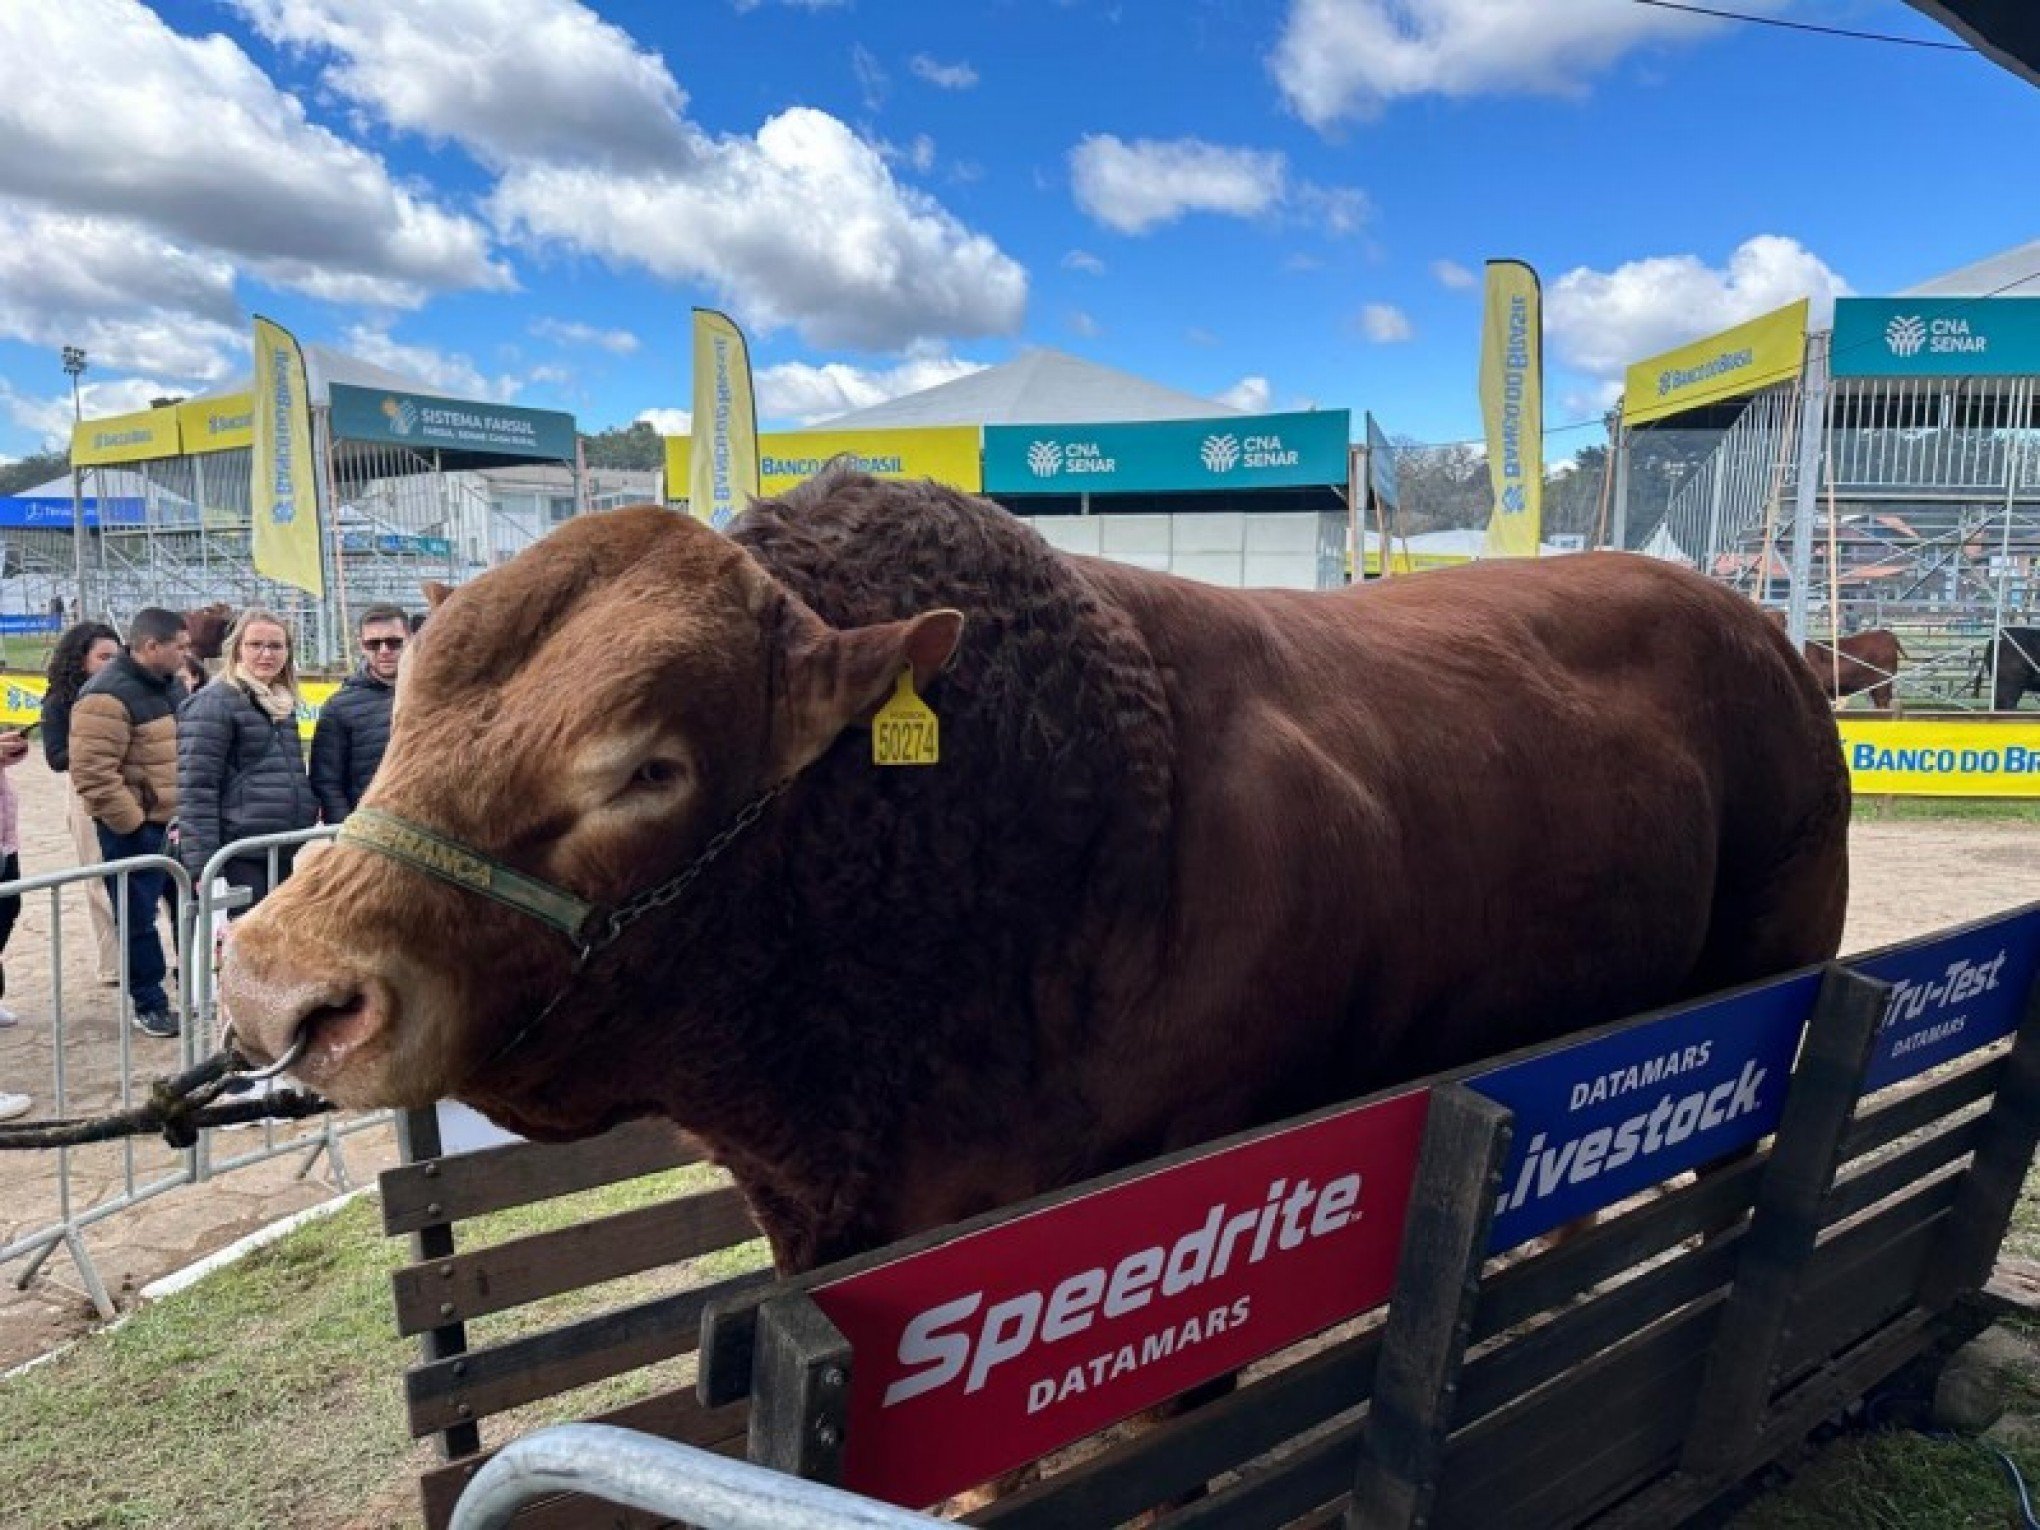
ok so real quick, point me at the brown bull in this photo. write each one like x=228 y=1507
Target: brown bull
x=1191 y=859
x=1862 y=661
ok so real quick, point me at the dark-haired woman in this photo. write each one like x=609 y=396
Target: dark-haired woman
x=82 y=652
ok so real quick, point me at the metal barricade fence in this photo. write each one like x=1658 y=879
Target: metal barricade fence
x=90 y=1071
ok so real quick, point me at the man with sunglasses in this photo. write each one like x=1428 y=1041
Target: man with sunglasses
x=354 y=724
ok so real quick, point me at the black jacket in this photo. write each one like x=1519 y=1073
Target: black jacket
x=238 y=774
x=348 y=744
x=56 y=733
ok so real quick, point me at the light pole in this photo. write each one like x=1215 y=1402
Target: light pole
x=74 y=368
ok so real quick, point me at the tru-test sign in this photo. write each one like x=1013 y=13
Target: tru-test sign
x=993 y=1350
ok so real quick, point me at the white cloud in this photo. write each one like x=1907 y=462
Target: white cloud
x=573 y=83
x=797 y=391
x=133 y=300
x=888 y=265
x=1138 y=186
x=1352 y=58
x=110 y=112
x=957 y=76
x=1598 y=322
x=1085 y=261
x=1386 y=324
x=449 y=370
x=50 y=417
x=1084 y=325
x=1134 y=187
x=1451 y=274
x=618 y=342
x=1250 y=395
x=1199 y=336
x=872 y=80
x=668 y=422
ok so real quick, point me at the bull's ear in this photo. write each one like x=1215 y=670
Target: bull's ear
x=838 y=679
x=435 y=594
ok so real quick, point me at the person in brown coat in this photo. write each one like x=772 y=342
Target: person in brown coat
x=124 y=766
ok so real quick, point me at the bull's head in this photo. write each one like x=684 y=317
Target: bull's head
x=588 y=715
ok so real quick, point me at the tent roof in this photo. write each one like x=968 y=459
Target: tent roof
x=2009 y=273
x=1042 y=387
x=325 y=366
x=2005 y=31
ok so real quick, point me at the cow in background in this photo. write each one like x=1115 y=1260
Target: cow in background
x=208 y=626
x=2015 y=660
x=1862 y=661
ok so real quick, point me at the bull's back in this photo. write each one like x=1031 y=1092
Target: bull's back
x=1433 y=819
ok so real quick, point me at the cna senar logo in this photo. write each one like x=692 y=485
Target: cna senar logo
x=1670 y=1119
x=1906 y=334
x=964 y=1341
x=402 y=415
x=1220 y=454
x=1044 y=459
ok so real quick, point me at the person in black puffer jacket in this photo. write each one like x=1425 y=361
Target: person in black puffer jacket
x=354 y=724
x=240 y=758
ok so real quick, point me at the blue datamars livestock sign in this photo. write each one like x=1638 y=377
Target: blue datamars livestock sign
x=1952 y=994
x=1610 y=1116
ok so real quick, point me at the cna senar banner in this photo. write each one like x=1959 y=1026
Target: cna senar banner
x=722 y=477
x=428 y=422
x=1942 y=757
x=947 y=454
x=990 y=1351
x=1765 y=350
x=140 y=437
x=1952 y=993
x=1266 y=451
x=284 y=484
x=1616 y=1113
x=1936 y=337
x=217 y=424
x=1512 y=407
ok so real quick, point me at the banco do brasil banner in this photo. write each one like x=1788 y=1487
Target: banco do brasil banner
x=1942 y=756
x=1263 y=451
x=1936 y=337
x=451 y=424
x=1738 y=361
x=21 y=698
x=947 y=454
x=141 y=437
x=217 y=424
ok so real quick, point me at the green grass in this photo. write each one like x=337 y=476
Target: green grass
x=1877 y=809
x=26 y=651
x=271 y=1393
x=1895 y=1481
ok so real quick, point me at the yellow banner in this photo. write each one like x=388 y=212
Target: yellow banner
x=723 y=478
x=217 y=424
x=1753 y=355
x=21 y=701
x=285 y=497
x=1942 y=756
x=140 y=437
x=946 y=453
x=1512 y=407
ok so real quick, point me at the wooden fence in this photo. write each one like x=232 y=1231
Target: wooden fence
x=1628 y=1375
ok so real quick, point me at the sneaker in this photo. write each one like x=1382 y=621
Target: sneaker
x=159 y=1023
x=12 y=1105
x=8 y=1017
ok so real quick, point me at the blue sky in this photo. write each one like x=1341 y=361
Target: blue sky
x=1278 y=204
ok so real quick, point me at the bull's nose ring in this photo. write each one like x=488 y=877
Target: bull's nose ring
x=283 y=1064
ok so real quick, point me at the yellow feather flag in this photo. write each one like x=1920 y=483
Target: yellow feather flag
x=1512 y=407
x=285 y=497
x=723 y=476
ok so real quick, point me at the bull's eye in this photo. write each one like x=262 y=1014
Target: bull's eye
x=656 y=773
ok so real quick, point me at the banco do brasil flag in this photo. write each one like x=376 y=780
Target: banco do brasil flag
x=285 y=497
x=1512 y=407
x=723 y=476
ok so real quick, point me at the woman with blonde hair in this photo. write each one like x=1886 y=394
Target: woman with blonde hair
x=240 y=757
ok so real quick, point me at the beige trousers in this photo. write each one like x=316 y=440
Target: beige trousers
x=105 y=932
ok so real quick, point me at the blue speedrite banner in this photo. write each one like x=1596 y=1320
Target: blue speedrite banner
x=1953 y=993
x=1617 y=1113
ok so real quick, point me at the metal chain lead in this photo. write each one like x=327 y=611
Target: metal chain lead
x=667 y=893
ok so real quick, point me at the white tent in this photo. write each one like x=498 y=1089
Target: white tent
x=1043 y=387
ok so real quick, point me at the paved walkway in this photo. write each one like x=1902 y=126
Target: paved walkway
x=137 y=1245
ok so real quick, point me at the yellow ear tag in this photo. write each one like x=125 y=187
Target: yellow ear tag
x=905 y=731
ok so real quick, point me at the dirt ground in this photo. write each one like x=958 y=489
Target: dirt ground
x=1908 y=878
